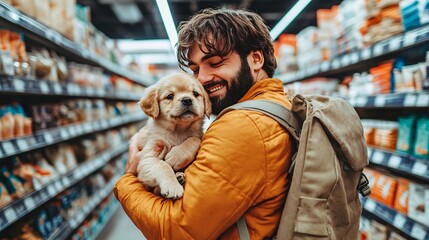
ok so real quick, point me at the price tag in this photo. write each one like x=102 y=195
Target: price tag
x=380 y=101
x=325 y=66
x=370 y=205
x=44 y=87
x=366 y=53
x=78 y=174
x=410 y=100
x=19 y=85
x=51 y=190
x=49 y=33
x=29 y=203
x=418 y=232
x=73 y=131
x=10 y=215
x=73 y=223
x=399 y=221
x=395 y=44
x=88 y=127
x=394 y=161
x=66 y=182
x=79 y=129
x=423 y=100
x=48 y=137
x=354 y=57
x=361 y=101
x=22 y=144
x=377 y=157
x=345 y=60
x=57 y=88
x=64 y=134
x=59 y=187
x=377 y=50
x=419 y=168
x=105 y=124
x=8 y=148
x=370 y=152
x=96 y=125
x=14 y=16
x=335 y=64
x=410 y=38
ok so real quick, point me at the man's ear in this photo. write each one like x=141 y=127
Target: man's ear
x=149 y=102
x=256 y=60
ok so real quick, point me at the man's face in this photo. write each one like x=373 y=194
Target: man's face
x=226 y=79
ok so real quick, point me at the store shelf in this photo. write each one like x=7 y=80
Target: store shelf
x=50 y=37
x=395 y=100
x=49 y=137
x=348 y=61
x=400 y=162
x=108 y=217
x=67 y=228
x=17 y=85
x=404 y=224
x=28 y=203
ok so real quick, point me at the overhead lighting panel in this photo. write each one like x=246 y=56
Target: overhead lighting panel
x=288 y=18
x=167 y=19
x=127 y=12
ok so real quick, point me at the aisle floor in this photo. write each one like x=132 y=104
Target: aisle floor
x=120 y=227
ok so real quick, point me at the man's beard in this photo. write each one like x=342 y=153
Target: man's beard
x=240 y=84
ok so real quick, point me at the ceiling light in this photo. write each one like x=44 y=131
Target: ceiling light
x=145 y=46
x=127 y=12
x=167 y=19
x=288 y=18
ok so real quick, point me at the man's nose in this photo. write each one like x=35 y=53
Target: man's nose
x=204 y=76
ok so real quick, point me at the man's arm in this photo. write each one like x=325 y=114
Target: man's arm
x=222 y=183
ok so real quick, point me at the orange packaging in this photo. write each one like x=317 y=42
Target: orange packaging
x=401 y=198
x=384 y=189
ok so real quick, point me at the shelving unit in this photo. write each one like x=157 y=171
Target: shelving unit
x=42 y=139
x=399 y=162
x=395 y=100
x=16 y=85
x=351 y=61
x=54 y=40
x=21 y=207
x=37 y=32
x=402 y=223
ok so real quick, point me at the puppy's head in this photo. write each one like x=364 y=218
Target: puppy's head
x=177 y=98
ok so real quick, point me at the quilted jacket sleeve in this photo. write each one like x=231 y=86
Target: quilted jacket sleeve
x=222 y=183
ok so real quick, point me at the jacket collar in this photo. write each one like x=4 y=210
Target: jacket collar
x=262 y=86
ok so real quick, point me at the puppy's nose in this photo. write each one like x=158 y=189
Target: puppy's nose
x=187 y=101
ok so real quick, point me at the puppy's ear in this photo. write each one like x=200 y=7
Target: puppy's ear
x=207 y=103
x=149 y=102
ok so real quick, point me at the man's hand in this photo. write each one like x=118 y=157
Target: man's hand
x=134 y=155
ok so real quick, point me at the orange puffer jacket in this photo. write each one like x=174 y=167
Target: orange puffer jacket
x=240 y=168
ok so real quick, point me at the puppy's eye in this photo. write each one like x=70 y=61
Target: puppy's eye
x=196 y=94
x=170 y=96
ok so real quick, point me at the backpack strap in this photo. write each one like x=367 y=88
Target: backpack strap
x=281 y=114
x=242 y=229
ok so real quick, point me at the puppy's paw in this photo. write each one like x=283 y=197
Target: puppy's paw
x=181 y=178
x=172 y=190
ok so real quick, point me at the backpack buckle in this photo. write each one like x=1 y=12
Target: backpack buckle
x=363 y=186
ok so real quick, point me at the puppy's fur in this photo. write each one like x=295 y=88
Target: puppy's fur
x=176 y=105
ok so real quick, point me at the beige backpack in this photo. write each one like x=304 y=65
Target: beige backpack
x=326 y=171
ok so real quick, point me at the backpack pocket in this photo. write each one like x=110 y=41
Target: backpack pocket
x=311 y=221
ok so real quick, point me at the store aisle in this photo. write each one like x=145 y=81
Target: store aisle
x=120 y=227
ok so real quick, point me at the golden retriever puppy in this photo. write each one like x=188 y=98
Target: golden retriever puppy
x=176 y=105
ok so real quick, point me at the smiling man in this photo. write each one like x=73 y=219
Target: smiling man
x=241 y=167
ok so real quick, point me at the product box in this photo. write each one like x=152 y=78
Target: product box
x=421 y=147
x=417 y=208
x=402 y=194
x=405 y=142
x=396 y=236
x=384 y=189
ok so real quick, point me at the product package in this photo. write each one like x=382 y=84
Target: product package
x=421 y=147
x=416 y=207
x=402 y=196
x=406 y=134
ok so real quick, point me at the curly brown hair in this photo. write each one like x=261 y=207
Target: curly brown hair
x=224 y=30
